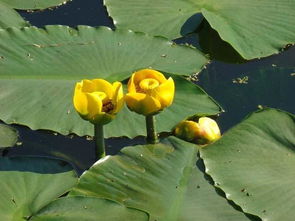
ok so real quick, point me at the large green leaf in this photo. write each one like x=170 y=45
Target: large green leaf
x=254 y=28
x=10 y=18
x=28 y=184
x=33 y=4
x=87 y=209
x=254 y=164
x=43 y=66
x=60 y=52
x=156 y=17
x=162 y=180
x=8 y=136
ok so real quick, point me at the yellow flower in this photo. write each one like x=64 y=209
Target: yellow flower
x=204 y=132
x=149 y=92
x=97 y=100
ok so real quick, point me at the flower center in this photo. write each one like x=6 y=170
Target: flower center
x=107 y=104
x=148 y=84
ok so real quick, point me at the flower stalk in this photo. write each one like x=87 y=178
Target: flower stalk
x=99 y=141
x=152 y=136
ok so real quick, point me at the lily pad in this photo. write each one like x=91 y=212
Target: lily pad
x=87 y=208
x=43 y=66
x=10 y=18
x=162 y=180
x=254 y=28
x=8 y=136
x=33 y=4
x=254 y=162
x=27 y=184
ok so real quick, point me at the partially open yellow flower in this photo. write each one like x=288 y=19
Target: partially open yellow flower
x=204 y=132
x=149 y=92
x=97 y=100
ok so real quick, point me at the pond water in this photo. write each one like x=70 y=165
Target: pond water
x=238 y=88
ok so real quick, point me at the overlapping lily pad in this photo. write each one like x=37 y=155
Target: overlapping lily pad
x=10 y=18
x=28 y=184
x=254 y=164
x=254 y=28
x=8 y=136
x=33 y=4
x=162 y=180
x=40 y=67
x=87 y=208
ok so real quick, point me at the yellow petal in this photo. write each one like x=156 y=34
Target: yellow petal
x=88 y=86
x=80 y=100
x=131 y=86
x=148 y=73
x=118 y=99
x=94 y=105
x=104 y=86
x=165 y=93
x=142 y=103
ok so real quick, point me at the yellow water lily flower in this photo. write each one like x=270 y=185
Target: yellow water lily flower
x=149 y=92
x=204 y=132
x=97 y=100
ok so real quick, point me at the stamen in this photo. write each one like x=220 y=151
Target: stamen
x=148 y=84
x=107 y=106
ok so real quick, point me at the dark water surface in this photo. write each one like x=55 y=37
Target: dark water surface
x=238 y=88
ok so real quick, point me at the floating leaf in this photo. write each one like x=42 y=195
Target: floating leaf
x=8 y=136
x=10 y=18
x=254 y=162
x=87 y=208
x=43 y=66
x=28 y=184
x=162 y=180
x=254 y=28
x=33 y=4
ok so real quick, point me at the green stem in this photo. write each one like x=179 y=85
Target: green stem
x=99 y=141
x=152 y=136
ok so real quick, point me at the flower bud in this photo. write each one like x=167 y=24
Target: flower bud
x=204 y=132
x=97 y=100
x=149 y=92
